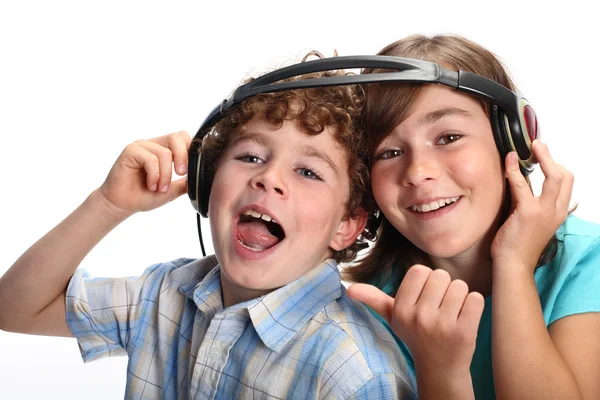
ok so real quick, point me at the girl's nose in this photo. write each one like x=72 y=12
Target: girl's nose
x=420 y=170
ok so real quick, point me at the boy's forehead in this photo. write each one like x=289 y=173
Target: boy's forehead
x=260 y=130
x=245 y=134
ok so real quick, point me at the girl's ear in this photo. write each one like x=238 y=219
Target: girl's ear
x=348 y=231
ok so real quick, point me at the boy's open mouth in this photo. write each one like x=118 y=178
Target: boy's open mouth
x=258 y=232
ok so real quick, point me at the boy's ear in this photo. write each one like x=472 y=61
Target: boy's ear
x=348 y=231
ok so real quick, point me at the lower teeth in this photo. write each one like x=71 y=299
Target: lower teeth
x=255 y=249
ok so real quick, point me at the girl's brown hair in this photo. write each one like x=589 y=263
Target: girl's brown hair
x=386 y=106
x=314 y=110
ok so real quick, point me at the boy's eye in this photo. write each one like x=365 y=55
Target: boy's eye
x=448 y=138
x=308 y=173
x=250 y=158
x=386 y=155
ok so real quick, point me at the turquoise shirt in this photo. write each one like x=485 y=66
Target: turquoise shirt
x=569 y=284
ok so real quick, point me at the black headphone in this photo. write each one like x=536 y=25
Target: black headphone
x=513 y=120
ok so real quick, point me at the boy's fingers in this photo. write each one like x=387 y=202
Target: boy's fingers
x=165 y=159
x=146 y=160
x=373 y=297
x=470 y=315
x=177 y=188
x=179 y=143
x=412 y=285
x=518 y=185
x=162 y=140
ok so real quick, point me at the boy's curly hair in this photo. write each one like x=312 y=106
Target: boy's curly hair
x=314 y=110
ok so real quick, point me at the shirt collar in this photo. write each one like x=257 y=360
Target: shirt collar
x=205 y=289
x=279 y=315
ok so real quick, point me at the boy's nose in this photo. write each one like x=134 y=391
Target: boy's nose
x=270 y=181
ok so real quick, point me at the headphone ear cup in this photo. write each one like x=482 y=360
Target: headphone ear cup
x=373 y=223
x=499 y=129
x=204 y=183
x=198 y=179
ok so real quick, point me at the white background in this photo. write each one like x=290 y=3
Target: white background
x=81 y=80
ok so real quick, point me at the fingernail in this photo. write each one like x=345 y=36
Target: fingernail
x=512 y=157
x=164 y=189
x=182 y=168
x=153 y=188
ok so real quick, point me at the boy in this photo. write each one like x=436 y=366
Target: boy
x=267 y=316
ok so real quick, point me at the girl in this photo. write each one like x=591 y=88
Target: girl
x=530 y=327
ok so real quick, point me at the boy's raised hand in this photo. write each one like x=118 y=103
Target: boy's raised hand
x=33 y=291
x=140 y=179
x=437 y=318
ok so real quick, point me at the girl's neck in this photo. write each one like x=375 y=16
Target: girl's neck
x=474 y=266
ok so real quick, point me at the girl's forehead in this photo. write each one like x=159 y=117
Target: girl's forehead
x=437 y=102
x=435 y=96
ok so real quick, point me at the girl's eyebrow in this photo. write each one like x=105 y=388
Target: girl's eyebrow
x=436 y=115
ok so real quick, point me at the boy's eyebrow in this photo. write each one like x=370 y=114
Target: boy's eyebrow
x=251 y=137
x=436 y=115
x=310 y=151
x=305 y=150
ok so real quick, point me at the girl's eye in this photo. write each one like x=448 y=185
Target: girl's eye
x=308 y=173
x=250 y=158
x=386 y=155
x=448 y=138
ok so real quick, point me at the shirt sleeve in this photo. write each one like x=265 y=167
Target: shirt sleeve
x=580 y=291
x=105 y=314
x=385 y=386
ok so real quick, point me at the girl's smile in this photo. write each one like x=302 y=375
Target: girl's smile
x=438 y=176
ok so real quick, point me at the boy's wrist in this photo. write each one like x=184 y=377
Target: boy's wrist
x=107 y=211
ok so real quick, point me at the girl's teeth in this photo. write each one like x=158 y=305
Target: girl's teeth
x=434 y=205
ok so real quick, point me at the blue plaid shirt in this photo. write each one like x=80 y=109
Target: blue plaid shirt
x=305 y=340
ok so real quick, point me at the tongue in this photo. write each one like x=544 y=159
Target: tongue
x=256 y=235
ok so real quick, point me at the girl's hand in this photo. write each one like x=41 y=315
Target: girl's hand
x=140 y=179
x=437 y=319
x=532 y=220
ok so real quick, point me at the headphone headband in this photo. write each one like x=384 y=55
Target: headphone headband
x=513 y=120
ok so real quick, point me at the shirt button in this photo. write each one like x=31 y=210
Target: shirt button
x=214 y=352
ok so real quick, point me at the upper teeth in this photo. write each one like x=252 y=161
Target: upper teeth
x=434 y=205
x=256 y=214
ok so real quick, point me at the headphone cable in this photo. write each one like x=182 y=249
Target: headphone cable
x=200 y=235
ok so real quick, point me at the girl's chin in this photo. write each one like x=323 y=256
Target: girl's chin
x=443 y=249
